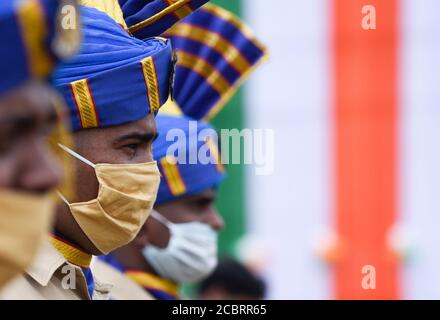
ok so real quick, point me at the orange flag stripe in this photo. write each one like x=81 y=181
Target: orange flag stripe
x=365 y=141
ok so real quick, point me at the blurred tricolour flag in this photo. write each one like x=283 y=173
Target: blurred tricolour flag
x=357 y=120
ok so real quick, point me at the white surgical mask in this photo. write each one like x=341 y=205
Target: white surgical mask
x=191 y=253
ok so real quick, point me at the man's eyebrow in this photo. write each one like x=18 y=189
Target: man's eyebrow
x=144 y=137
x=19 y=121
x=30 y=120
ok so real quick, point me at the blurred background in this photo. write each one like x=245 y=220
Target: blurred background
x=356 y=115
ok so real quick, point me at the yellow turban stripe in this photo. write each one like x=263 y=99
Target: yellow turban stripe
x=31 y=19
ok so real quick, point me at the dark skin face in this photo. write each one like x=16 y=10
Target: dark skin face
x=27 y=117
x=199 y=208
x=124 y=144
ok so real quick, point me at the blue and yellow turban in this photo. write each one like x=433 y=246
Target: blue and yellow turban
x=188 y=158
x=216 y=52
x=147 y=18
x=116 y=78
x=33 y=40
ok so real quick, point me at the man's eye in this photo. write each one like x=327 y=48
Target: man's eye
x=132 y=146
x=201 y=204
x=131 y=149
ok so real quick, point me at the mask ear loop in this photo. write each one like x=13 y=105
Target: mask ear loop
x=80 y=158
x=62 y=197
x=76 y=155
x=156 y=215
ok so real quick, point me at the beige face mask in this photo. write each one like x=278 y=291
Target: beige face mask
x=25 y=221
x=127 y=193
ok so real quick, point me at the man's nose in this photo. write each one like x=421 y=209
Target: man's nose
x=214 y=219
x=39 y=170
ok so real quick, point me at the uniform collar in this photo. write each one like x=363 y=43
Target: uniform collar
x=152 y=282
x=48 y=261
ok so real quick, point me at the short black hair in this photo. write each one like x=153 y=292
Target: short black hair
x=235 y=278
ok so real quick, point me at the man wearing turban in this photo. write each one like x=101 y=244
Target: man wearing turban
x=113 y=89
x=33 y=42
x=178 y=243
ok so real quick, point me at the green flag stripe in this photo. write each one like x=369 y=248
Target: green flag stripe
x=231 y=199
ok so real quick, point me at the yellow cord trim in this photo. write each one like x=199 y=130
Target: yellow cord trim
x=150 y=281
x=85 y=104
x=150 y=76
x=181 y=13
x=73 y=255
x=171 y=9
x=172 y=175
x=212 y=146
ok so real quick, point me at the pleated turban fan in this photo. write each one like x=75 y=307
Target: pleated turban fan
x=216 y=52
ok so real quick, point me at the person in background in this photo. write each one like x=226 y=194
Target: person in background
x=178 y=244
x=113 y=89
x=33 y=42
x=232 y=280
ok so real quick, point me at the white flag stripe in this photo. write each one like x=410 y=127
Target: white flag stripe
x=420 y=146
x=291 y=95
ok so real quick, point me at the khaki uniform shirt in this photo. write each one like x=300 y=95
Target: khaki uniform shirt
x=123 y=287
x=52 y=277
